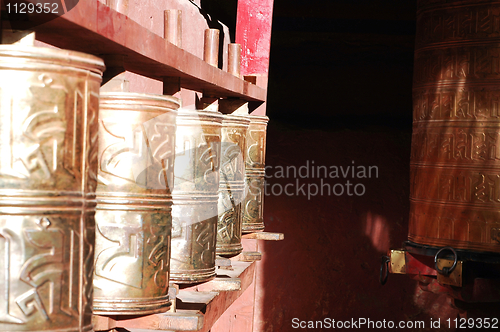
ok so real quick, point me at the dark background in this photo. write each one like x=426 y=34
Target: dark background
x=342 y=62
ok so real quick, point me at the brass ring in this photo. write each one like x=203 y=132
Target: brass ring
x=446 y=271
x=383 y=276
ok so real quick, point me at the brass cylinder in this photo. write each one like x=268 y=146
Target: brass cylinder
x=134 y=203
x=49 y=101
x=194 y=214
x=455 y=160
x=255 y=160
x=234 y=59
x=211 y=47
x=173 y=26
x=232 y=185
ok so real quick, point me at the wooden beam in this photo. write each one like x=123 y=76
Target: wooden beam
x=94 y=28
x=197 y=307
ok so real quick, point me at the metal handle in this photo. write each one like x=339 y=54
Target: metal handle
x=383 y=276
x=446 y=271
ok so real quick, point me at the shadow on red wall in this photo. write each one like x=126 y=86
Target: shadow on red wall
x=327 y=268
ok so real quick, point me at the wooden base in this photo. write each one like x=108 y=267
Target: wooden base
x=264 y=236
x=197 y=307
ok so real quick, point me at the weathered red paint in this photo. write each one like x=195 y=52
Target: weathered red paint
x=253 y=33
x=420 y=265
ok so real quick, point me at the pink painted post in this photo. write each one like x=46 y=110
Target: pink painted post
x=253 y=33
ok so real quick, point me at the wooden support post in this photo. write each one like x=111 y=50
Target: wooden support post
x=233 y=106
x=173 y=27
x=173 y=291
x=171 y=85
x=208 y=103
x=222 y=262
x=211 y=47
x=253 y=32
x=234 y=59
x=115 y=65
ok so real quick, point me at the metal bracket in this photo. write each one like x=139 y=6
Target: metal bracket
x=455 y=276
x=398 y=261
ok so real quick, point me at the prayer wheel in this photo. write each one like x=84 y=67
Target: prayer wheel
x=49 y=101
x=255 y=160
x=232 y=185
x=455 y=160
x=196 y=185
x=134 y=203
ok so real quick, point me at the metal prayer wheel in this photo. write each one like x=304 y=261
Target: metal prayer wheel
x=255 y=160
x=134 y=203
x=194 y=214
x=49 y=101
x=231 y=185
x=455 y=161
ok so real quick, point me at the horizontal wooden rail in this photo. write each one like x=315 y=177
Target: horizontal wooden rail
x=94 y=28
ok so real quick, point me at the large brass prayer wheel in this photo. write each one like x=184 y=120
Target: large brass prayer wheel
x=455 y=161
x=134 y=203
x=194 y=214
x=49 y=101
x=255 y=160
x=232 y=185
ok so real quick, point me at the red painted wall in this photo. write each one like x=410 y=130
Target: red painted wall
x=253 y=33
x=328 y=264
